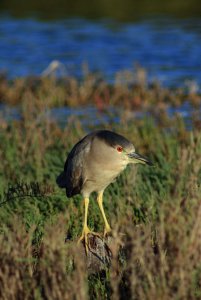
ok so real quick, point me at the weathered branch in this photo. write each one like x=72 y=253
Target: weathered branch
x=99 y=255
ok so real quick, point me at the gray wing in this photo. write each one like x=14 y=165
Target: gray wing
x=72 y=177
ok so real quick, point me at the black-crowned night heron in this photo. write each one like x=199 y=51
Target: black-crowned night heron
x=93 y=163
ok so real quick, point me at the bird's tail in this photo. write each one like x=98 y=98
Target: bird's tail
x=62 y=180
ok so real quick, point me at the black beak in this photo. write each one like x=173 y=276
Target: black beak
x=137 y=158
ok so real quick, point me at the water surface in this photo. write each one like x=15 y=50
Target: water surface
x=90 y=116
x=169 y=49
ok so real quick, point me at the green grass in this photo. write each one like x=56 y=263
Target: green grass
x=158 y=208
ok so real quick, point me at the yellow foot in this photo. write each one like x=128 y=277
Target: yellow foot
x=107 y=231
x=84 y=237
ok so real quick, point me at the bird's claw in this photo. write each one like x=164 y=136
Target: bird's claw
x=107 y=231
x=84 y=237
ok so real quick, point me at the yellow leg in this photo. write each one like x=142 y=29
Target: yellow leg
x=86 y=229
x=107 y=228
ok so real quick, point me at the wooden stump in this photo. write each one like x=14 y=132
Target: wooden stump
x=99 y=254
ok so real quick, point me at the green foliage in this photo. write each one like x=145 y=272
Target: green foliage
x=124 y=10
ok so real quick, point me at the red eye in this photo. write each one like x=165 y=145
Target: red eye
x=119 y=149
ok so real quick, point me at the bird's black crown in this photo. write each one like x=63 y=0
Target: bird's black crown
x=112 y=139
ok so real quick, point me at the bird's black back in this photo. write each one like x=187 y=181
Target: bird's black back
x=72 y=176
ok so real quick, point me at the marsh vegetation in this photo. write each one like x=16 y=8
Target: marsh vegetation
x=158 y=209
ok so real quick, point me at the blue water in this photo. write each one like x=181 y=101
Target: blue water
x=90 y=116
x=169 y=49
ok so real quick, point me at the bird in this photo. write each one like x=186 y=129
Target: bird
x=92 y=164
